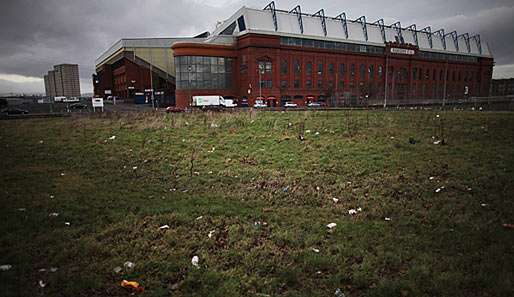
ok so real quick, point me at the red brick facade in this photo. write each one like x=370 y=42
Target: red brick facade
x=409 y=75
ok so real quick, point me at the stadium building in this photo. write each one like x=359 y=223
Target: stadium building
x=137 y=67
x=278 y=56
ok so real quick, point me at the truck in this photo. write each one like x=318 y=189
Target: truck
x=212 y=101
x=59 y=99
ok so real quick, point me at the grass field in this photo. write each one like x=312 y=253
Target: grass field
x=265 y=197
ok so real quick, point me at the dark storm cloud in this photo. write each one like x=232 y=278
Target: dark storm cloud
x=38 y=34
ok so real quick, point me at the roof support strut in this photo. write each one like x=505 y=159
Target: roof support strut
x=381 y=25
x=271 y=7
x=321 y=15
x=362 y=20
x=441 y=35
x=466 y=40
x=412 y=28
x=454 y=36
x=398 y=27
x=342 y=17
x=428 y=30
x=298 y=11
x=478 y=42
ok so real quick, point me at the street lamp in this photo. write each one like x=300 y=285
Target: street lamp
x=189 y=70
x=261 y=71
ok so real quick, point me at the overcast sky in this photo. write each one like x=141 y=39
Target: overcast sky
x=37 y=34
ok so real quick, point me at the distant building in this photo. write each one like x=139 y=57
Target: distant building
x=502 y=87
x=63 y=80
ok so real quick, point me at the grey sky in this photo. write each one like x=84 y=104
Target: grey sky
x=38 y=34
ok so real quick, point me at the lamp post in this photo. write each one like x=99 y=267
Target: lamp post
x=189 y=70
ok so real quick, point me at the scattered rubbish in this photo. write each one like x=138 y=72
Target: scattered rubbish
x=508 y=226
x=469 y=189
x=42 y=270
x=339 y=293
x=51 y=196
x=437 y=116
x=317 y=188
x=210 y=172
x=438 y=190
x=480 y=108
x=53 y=214
x=290 y=124
x=163 y=227
x=212 y=150
x=315 y=250
x=331 y=225
x=5 y=267
x=62 y=174
x=53 y=269
x=211 y=233
x=317 y=133
x=22 y=209
x=285 y=189
x=359 y=209
x=307 y=131
x=195 y=261
x=352 y=211
x=134 y=286
x=483 y=204
x=437 y=142
x=129 y=265
x=335 y=200
x=67 y=224
x=196 y=173
x=199 y=218
x=41 y=142
x=117 y=269
x=112 y=137
x=41 y=283
x=431 y=178
x=387 y=219
x=214 y=125
x=134 y=168
x=392 y=137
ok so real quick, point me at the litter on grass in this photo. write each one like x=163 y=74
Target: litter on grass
x=431 y=178
x=195 y=261
x=483 y=204
x=129 y=265
x=22 y=209
x=331 y=225
x=315 y=250
x=134 y=168
x=211 y=233
x=112 y=137
x=339 y=293
x=134 y=286
x=67 y=224
x=5 y=267
x=354 y=211
x=335 y=200
x=163 y=227
x=53 y=214
x=387 y=219
x=199 y=218
x=41 y=283
x=117 y=269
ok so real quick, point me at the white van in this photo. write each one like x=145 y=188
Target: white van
x=212 y=101
x=59 y=99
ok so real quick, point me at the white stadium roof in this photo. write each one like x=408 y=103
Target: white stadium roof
x=294 y=23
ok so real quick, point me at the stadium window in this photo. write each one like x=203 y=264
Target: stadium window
x=296 y=83
x=330 y=84
x=283 y=84
x=434 y=74
x=241 y=23
x=414 y=73
x=308 y=84
x=331 y=69
x=265 y=66
x=320 y=68
x=371 y=71
x=352 y=70
x=362 y=74
x=441 y=74
x=284 y=67
x=420 y=74
x=380 y=71
x=341 y=84
x=266 y=84
x=427 y=74
x=297 y=67
x=229 y=30
x=459 y=76
x=309 y=68
x=320 y=84
x=342 y=69
x=453 y=75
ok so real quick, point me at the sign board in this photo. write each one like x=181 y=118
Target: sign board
x=98 y=103
x=402 y=51
x=107 y=92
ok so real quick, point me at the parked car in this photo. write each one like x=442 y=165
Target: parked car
x=290 y=104
x=259 y=105
x=78 y=106
x=314 y=104
x=243 y=103
x=13 y=110
x=173 y=109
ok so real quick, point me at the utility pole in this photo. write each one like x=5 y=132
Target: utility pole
x=386 y=70
x=260 y=69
